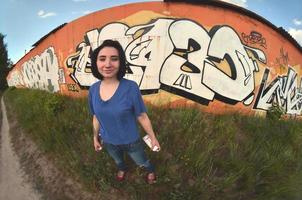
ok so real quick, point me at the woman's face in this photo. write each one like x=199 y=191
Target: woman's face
x=108 y=62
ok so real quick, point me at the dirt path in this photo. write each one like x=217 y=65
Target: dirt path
x=13 y=185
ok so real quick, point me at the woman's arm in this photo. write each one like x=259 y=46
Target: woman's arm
x=145 y=122
x=96 y=129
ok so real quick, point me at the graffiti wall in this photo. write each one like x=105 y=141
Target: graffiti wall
x=178 y=53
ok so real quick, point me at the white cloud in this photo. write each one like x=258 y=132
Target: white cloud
x=241 y=3
x=43 y=14
x=297 y=34
x=79 y=0
x=297 y=22
x=49 y=14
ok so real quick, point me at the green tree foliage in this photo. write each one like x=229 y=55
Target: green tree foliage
x=4 y=63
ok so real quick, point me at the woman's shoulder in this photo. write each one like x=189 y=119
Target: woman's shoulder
x=94 y=85
x=129 y=83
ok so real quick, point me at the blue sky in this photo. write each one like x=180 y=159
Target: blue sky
x=24 y=22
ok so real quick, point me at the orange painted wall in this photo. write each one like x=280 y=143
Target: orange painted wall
x=168 y=24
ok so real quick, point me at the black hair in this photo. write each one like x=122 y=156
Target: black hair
x=122 y=58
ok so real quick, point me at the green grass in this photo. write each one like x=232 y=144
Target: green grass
x=203 y=156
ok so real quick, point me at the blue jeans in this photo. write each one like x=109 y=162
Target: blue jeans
x=135 y=150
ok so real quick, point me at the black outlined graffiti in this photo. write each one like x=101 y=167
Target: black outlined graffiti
x=193 y=67
x=283 y=90
x=179 y=66
x=41 y=71
x=80 y=64
x=182 y=71
x=182 y=57
x=145 y=51
x=254 y=38
x=241 y=84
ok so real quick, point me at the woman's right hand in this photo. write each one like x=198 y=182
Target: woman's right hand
x=97 y=145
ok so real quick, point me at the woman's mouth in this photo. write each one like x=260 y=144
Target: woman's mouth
x=108 y=71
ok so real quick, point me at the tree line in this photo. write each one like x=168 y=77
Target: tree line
x=5 y=64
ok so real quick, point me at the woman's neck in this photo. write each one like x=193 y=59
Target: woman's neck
x=109 y=81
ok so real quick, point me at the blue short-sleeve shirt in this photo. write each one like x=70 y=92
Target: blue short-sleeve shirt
x=117 y=116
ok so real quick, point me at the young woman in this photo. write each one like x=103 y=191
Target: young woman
x=116 y=105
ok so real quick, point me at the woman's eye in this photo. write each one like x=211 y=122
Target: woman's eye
x=114 y=59
x=102 y=59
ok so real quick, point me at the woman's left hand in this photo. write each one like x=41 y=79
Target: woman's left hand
x=154 y=142
x=145 y=122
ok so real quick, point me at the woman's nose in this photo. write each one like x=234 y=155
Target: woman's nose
x=107 y=63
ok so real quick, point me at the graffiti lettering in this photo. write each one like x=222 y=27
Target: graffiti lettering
x=283 y=90
x=42 y=71
x=254 y=38
x=72 y=87
x=144 y=54
x=80 y=63
x=239 y=85
x=15 y=79
x=183 y=69
x=283 y=58
x=186 y=63
x=191 y=68
x=61 y=76
x=179 y=56
x=193 y=62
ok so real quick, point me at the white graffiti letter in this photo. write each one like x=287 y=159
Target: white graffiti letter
x=226 y=44
x=147 y=52
x=182 y=70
